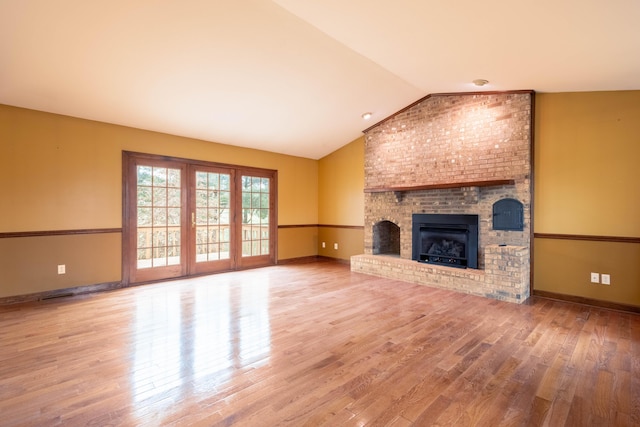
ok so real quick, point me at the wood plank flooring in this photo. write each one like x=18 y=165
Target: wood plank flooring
x=314 y=345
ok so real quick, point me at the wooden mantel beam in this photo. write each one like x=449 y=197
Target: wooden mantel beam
x=489 y=183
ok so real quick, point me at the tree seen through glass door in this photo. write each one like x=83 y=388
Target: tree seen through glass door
x=212 y=216
x=158 y=216
x=255 y=215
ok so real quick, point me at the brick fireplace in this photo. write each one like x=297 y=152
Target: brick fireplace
x=451 y=154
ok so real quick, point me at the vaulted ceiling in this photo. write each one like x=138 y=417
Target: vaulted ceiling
x=295 y=76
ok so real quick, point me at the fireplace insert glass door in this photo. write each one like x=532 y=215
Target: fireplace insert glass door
x=446 y=246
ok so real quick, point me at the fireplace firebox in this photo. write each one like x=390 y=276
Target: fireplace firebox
x=445 y=239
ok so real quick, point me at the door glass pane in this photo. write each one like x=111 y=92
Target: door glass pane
x=255 y=216
x=212 y=200
x=158 y=216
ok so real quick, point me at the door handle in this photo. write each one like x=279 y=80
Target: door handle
x=193 y=220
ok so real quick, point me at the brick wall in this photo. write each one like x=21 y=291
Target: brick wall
x=447 y=139
x=471 y=200
x=451 y=138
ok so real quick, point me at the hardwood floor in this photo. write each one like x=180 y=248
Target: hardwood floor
x=314 y=344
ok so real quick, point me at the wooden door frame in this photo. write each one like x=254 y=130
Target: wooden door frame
x=129 y=186
x=256 y=261
x=227 y=265
x=129 y=236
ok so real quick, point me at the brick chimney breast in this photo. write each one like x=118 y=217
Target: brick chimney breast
x=458 y=146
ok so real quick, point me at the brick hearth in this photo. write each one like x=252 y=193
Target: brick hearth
x=451 y=141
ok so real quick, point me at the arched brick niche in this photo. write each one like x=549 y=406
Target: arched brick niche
x=386 y=238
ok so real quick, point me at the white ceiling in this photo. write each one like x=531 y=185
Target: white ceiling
x=294 y=76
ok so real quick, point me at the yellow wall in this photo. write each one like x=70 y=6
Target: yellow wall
x=587 y=182
x=341 y=201
x=63 y=173
x=587 y=157
x=341 y=192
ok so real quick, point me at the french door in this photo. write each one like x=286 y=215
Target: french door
x=211 y=234
x=185 y=217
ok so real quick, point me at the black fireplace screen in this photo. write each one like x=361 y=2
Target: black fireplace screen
x=443 y=246
x=450 y=240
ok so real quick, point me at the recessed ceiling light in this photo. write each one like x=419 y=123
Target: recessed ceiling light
x=480 y=82
x=367 y=116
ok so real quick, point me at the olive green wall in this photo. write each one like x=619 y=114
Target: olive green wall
x=297 y=242
x=564 y=267
x=341 y=201
x=29 y=265
x=587 y=183
x=63 y=173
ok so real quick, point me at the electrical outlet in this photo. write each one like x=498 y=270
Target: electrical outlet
x=335 y=246
x=606 y=279
x=595 y=277
x=62 y=269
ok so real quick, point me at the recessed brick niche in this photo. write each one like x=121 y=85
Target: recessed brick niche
x=456 y=154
